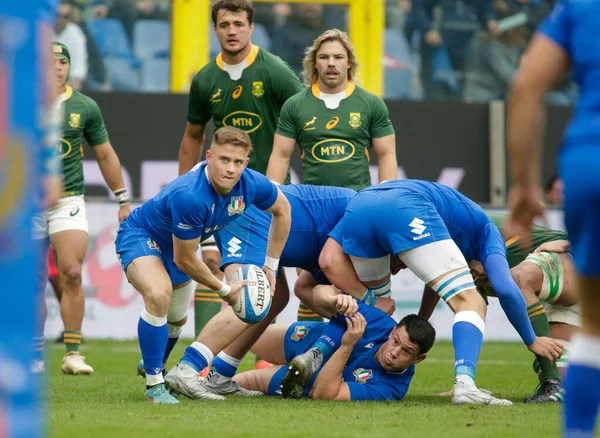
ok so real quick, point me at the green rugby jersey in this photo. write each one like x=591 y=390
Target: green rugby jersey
x=82 y=121
x=251 y=103
x=514 y=252
x=335 y=143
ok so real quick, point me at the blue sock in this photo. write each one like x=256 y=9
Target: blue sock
x=330 y=340
x=198 y=356
x=225 y=365
x=467 y=336
x=582 y=387
x=152 y=335
x=174 y=333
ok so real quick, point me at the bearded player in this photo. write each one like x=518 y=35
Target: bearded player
x=67 y=222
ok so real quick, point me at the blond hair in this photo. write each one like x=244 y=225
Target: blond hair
x=232 y=136
x=309 y=63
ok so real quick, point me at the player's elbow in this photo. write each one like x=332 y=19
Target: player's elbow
x=182 y=262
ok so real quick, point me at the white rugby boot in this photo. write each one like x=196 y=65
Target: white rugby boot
x=218 y=384
x=184 y=380
x=74 y=363
x=471 y=395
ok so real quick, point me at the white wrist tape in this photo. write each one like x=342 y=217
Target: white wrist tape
x=272 y=263
x=225 y=290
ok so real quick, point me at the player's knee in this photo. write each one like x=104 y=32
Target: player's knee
x=71 y=275
x=157 y=299
x=468 y=300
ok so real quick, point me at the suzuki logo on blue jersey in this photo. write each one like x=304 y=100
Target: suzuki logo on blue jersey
x=234 y=247
x=418 y=228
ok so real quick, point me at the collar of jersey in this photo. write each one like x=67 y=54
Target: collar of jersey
x=249 y=59
x=68 y=92
x=317 y=93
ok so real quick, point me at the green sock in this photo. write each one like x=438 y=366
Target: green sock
x=541 y=327
x=207 y=304
x=72 y=340
x=306 y=314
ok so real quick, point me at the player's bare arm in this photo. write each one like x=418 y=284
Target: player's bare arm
x=542 y=67
x=283 y=148
x=329 y=301
x=191 y=147
x=329 y=385
x=278 y=234
x=184 y=255
x=385 y=150
x=558 y=246
x=338 y=268
x=110 y=166
x=428 y=302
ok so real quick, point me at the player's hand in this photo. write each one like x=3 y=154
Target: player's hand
x=477 y=270
x=355 y=329
x=555 y=246
x=124 y=211
x=271 y=276
x=233 y=296
x=547 y=347
x=345 y=305
x=53 y=187
x=525 y=203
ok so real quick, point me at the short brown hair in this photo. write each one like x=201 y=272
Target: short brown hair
x=309 y=63
x=235 y=6
x=233 y=136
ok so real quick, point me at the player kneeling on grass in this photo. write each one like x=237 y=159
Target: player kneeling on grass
x=157 y=244
x=360 y=354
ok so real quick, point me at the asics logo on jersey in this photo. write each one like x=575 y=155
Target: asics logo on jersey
x=307 y=125
x=214 y=97
x=234 y=247
x=74 y=211
x=418 y=228
x=237 y=92
x=332 y=123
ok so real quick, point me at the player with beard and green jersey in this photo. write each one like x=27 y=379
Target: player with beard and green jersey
x=67 y=222
x=244 y=87
x=546 y=275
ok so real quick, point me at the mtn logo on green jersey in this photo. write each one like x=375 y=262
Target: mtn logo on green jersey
x=244 y=120
x=64 y=148
x=333 y=150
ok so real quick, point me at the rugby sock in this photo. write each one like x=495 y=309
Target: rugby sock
x=207 y=304
x=306 y=314
x=541 y=327
x=582 y=387
x=152 y=336
x=467 y=336
x=174 y=333
x=328 y=342
x=38 y=347
x=72 y=340
x=198 y=356
x=225 y=365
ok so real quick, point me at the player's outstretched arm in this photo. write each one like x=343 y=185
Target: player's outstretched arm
x=328 y=301
x=110 y=166
x=184 y=255
x=279 y=162
x=328 y=384
x=278 y=234
x=385 y=150
x=191 y=147
x=428 y=302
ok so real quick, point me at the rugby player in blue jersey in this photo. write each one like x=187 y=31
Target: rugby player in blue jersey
x=157 y=245
x=567 y=39
x=433 y=230
x=315 y=212
x=362 y=353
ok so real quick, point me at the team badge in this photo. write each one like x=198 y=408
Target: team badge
x=309 y=126
x=75 y=120
x=236 y=206
x=355 y=120
x=215 y=97
x=153 y=245
x=300 y=331
x=361 y=375
x=258 y=89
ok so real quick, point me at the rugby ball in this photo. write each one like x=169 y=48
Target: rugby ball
x=254 y=300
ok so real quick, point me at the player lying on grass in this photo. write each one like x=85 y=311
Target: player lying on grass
x=546 y=275
x=360 y=354
x=315 y=211
x=433 y=230
x=157 y=243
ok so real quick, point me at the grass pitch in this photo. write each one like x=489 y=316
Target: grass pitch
x=111 y=403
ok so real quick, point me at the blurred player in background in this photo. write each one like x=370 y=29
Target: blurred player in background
x=335 y=123
x=244 y=87
x=67 y=222
x=567 y=39
x=546 y=279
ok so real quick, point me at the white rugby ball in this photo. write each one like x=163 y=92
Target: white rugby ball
x=254 y=300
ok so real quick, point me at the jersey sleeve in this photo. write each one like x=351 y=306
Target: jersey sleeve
x=198 y=103
x=378 y=391
x=285 y=83
x=94 y=130
x=557 y=25
x=265 y=192
x=188 y=216
x=381 y=125
x=287 y=125
x=491 y=242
